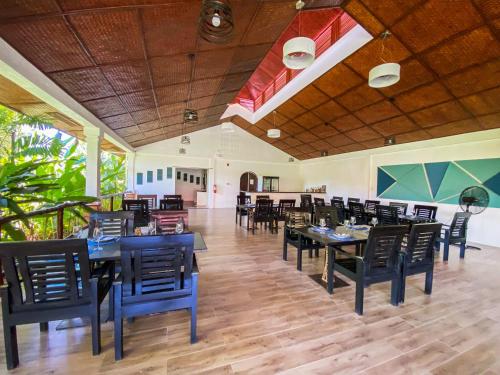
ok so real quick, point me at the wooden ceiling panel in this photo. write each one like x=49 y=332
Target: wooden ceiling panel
x=270 y=21
x=435 y=21
x=372 y=54
x=374 y=143
x=440 y=114
x=353 y=147
x=306 y=137
x=489 y=8
x=329 y=111
x=308 y=120
x=292 y=141
x=247 y=58
x=490 y=121
x=363 y=16
x=205 y=87
x=256 y=131
x=124 y=132
x=105 y=107
x=204 y=63
x=172 y=94
x=168 y=110
x=363 y=134
x=276 y=118
x=16 y=8
x=144 y=115
x=418 y=135
x=148 y=126
x=454 y=128
x=292 y=127
x=162 y=25
x=378 y=112
x=396 y=125
x=417 y=75
x=471 y=48
x=324 y=131
x=474 y=79
x=264 y=125
x=290 y=109
x=233 y=82
x=127 y=77
x=422 y=97
x=483 y=103
x=84 y=84
x=224 y=97
x=389 y=11
x=111 y=36
x=321 y=145
x=53 y=49
x=337 y=80
x=346 y=123
x=339 y=140
x=310 y=97
x=138 y=100
x=170 y=70
x=359 y=97
x=119 y=121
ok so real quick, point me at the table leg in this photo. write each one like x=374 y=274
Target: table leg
x=330 y=261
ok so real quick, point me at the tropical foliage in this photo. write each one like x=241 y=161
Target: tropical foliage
x=39 y=168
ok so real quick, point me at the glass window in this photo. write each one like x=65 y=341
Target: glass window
x=270 y=184
x=178 y=175
x=159 y=174
x=149 y=176
x=191 y=179
x=169 y=173
x=197 y=180
x=185 y=177
x=139 y=178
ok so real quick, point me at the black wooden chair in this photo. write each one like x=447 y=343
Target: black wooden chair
x=329 y=213
x=47 y=281
x=298 y=218
x=370 y=205
x=318 y=202
x=341 y=211
x=284 y=205
x=172 y=203
x=334 y=198
x=387 y=215
x=357 y=210
x=454 y=234
x=262 y=213
x=140 y=208
x=159 y=274
x=112 y=223
x=418 y=256
x=425 y=212
x=402 y=207
x=355 y=200
x=379 y=263
x=306 y=200
x=151 y=198
x=259 y=197
x=242 y=199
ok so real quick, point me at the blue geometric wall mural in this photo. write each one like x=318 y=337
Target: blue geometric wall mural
x=439 y=182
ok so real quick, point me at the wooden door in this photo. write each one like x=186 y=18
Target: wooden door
x=248 y=182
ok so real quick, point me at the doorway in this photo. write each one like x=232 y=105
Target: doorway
x=248 y=182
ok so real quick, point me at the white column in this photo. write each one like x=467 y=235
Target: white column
x=210 y=183
x=130 y=171
x=93 y=136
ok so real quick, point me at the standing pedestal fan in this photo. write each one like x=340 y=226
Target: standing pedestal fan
x=474 y=199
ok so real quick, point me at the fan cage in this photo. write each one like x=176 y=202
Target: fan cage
x=208 y=31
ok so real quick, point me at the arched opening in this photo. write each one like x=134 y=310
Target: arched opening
x=248 y=182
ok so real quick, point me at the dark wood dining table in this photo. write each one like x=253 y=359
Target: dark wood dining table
x=356 y=238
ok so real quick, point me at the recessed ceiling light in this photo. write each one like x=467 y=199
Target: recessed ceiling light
x=324 y=153
x=389 y=141
x=190 y=115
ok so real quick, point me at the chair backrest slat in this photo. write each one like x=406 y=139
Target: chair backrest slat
x=336 y=198
x=156 y=265
x=297 y=217
x=51 y=273
x=387 y=215
x=113 y=223
x=330 y=214
x=319 y=201
x=349 y=200
x=357 y=210
x=151 y=198
x=284 y=205
x=370 y=205
x=382 y=248
x=139 y=206
x=305 y=200
x=426 y=212
x=458 y=227
x=402 y=207
x=263 y=207
x=420 y=246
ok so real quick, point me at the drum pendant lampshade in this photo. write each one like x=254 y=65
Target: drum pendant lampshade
x=274 y=133
x=299 y=53
x=384 y=75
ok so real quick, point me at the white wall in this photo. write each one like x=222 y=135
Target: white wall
x=355 y=174
x=225 y=156
x=188 y=189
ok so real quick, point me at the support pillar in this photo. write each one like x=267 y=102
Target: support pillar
x=130 y=171
x=93 y=137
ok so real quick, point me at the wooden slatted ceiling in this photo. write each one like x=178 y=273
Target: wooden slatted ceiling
x=450 y=76
x=128 y=61
x=20 y=100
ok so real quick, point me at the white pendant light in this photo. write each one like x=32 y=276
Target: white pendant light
x=274 y=133
x=300 y=52
x=384 y=75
